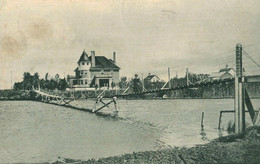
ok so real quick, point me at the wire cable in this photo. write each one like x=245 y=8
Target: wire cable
x=246 y=54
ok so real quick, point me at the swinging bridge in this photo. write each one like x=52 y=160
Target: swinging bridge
x=241 y=98
x=65 y=101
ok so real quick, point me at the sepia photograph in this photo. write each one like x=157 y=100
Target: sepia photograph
x=129 y=81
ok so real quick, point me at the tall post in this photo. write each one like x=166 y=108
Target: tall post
x=11 y=79
x=239 y=93
x=169 y=77
x=143 y=81
x=187 y=76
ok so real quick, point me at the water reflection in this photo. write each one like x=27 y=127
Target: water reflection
x=203 y=134
x=220 y=133
x=49 y=131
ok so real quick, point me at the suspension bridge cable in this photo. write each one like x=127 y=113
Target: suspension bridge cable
x=251 y=58
x=217 y=59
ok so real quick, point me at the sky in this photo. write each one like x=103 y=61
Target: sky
x=148 y=36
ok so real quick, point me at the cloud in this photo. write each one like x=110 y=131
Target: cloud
x=41 y=29
x=149 y=35
x=13 y=46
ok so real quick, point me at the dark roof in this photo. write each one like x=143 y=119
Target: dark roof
x=83 y=57
x=225 y=69
x=149 y=77
x=103 y=62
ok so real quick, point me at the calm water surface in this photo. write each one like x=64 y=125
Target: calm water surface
x=38 y=132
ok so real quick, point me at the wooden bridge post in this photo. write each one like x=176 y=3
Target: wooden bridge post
x=169 y=77
x=187 y=76
x=239 y=93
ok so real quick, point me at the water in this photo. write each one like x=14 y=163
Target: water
x=38 y=132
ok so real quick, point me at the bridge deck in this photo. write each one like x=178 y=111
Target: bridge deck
x=215 y=82
x=47 y=95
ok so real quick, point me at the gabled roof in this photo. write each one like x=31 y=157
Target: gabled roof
x=226 y=69
x=217 y=74
x=83 y=57
x=103 y=62
x=149 y=77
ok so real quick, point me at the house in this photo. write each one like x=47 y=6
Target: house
x=152 y=82
x=151 y=78
x=231 y=71
x=222 y=74
x=94 y=71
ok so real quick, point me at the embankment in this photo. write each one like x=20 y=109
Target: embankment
x=244 y=148
x=14 y=95
x=215 y=91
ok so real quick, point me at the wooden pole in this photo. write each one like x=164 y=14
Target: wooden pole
x=249 y=106
x=143 y=89
x=169 y=77
x=239 y=93
x=11 y=79
x=202 y=120
x=187 y=76
x=114 y=99
x=219 y=121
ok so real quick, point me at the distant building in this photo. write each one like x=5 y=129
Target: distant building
x=94 y=71
x=151 y=78
x=222 y=74
x=152 y=82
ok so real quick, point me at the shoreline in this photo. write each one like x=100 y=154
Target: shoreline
x=14 y=95
x=242 y=148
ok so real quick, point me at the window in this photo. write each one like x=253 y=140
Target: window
x=83 y=63
x=86 y=82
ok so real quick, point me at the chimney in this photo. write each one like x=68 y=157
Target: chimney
x=114 y=57
x=93 y=61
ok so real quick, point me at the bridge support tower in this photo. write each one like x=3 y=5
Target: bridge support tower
x=239 y=93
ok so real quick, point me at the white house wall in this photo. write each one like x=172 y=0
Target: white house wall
x=115 y=75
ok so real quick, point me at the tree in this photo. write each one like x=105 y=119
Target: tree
x=52 y=84
x=57 y=77
x=35 y=79
x=18 y=86
x=47 y=76
x=62 y=84
x=123 y=82
x=136 y=84
x=113 y=85
x=27 y=81
x=45 y=83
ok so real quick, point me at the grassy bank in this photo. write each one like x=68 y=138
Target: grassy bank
x=244 y=148
x=14 y=95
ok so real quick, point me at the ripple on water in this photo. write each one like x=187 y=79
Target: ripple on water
x=39 y=132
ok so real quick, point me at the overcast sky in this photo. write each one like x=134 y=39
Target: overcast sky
x=147 y=35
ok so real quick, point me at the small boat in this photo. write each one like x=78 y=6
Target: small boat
x=165 y=96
